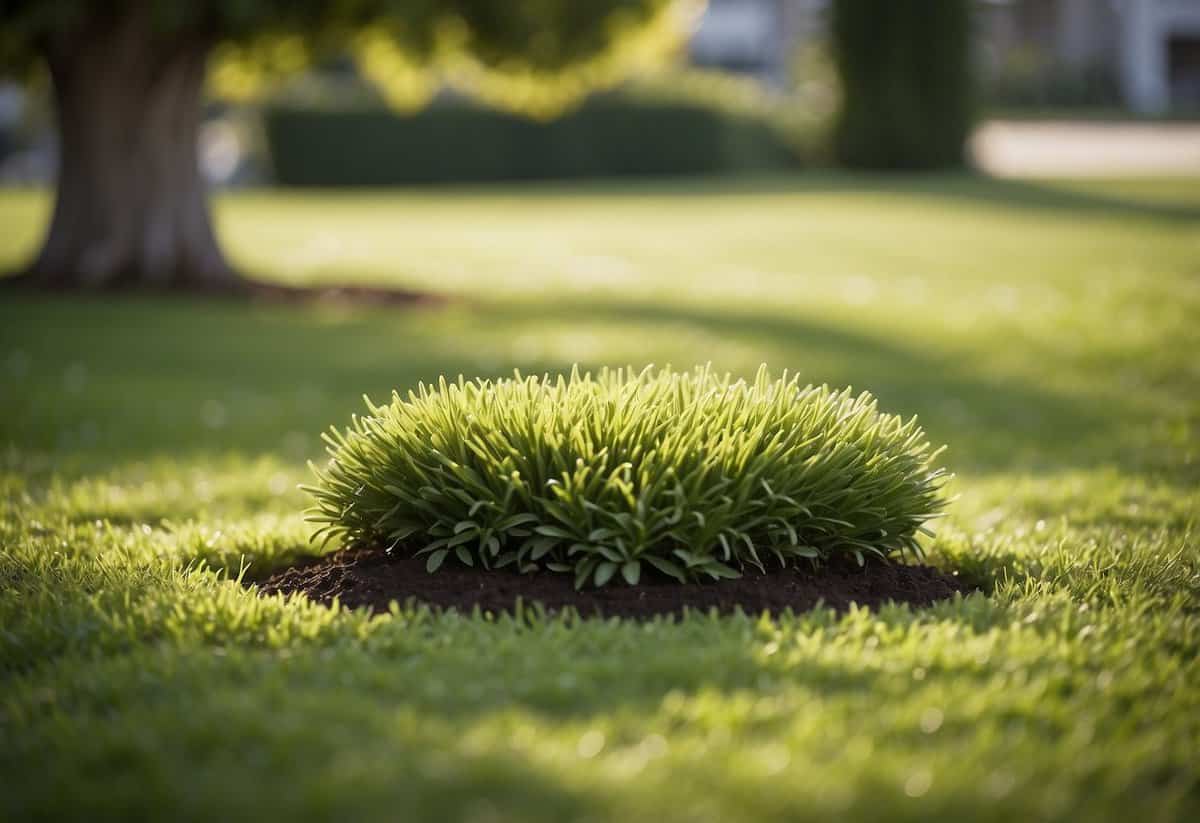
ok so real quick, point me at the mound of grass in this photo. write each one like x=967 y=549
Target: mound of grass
x=691 y=474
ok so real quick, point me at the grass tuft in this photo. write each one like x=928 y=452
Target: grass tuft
x=690 y=474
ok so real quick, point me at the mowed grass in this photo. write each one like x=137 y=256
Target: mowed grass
x=1049 y=332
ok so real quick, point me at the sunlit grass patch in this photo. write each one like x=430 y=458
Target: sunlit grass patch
x=150 y=448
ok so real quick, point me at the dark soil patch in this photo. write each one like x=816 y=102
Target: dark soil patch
x=371 y=579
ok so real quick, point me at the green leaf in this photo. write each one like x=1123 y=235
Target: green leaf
x=436 y=544
x=553 y=531
x=464 y=555
x=690 y=559
x=604 y=573
x=516 y=520
x=435 y=560
x=666 y=567
x=720 y=571
x=631 y=570
x=541 y=545
x=583 y=571
x=403 y=531
x=609 y=554
x=460 y=539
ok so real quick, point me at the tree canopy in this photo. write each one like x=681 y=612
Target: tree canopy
x=534 y=55
x=128 y=78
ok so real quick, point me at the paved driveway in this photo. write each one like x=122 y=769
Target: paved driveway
x=1008 y=148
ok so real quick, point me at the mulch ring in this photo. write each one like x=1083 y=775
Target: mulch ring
x=372 y=579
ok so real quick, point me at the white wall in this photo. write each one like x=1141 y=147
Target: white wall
x=1146 y=26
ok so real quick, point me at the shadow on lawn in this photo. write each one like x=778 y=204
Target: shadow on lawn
x=1023 y=195
x=992 y=422
x=1038 y=195
x=129 y=379
x=472 y=723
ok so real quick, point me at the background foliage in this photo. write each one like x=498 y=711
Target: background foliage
x=530 y=55
x=907 y=93
x=610 y=135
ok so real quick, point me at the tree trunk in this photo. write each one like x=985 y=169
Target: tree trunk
x=131 y=209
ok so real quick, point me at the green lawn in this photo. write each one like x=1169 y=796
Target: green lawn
x=1049 y=332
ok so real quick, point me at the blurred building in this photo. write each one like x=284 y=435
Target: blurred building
x=1160 y=53
x=756 y=37
x=1147 y=51
x=1140 y=54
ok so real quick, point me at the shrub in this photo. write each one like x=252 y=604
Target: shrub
x=905 y=71
x=630 y=132
x=687 y=473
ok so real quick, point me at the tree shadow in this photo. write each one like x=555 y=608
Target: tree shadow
x=1038 y=194
x=471 y=717
x=1044 y=195
x=993 y=422
x=229 y=380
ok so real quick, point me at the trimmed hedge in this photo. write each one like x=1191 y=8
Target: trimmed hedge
x=692 y=474
x=609 y=135
x=907 y=88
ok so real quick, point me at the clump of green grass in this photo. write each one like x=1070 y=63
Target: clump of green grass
x=691 y=474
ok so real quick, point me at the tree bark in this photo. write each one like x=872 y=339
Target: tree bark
x=131 y=210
